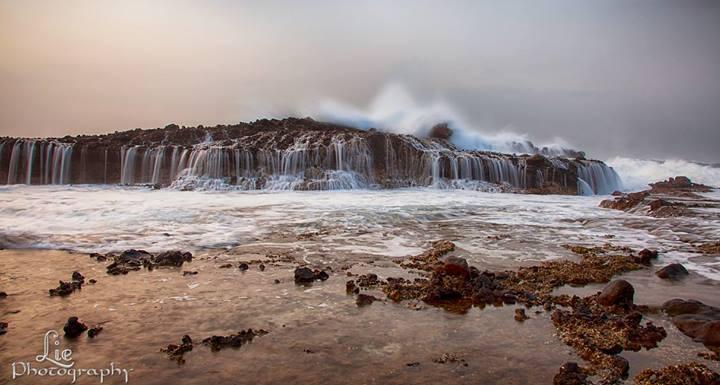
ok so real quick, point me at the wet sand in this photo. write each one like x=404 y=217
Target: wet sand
x=317 y=333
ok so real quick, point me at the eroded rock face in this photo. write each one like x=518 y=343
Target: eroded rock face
x=379 y=159
x=696 y=320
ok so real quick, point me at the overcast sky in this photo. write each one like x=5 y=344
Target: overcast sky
x=633 y=78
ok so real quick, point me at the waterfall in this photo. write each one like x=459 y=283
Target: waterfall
x=127 y=165
x=276 y=157
x=29 y=155
x=584 y=188
x=105 y=165
x=14 y=160
x=599 y=177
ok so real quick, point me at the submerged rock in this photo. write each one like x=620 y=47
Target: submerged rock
x=696 y=320
x=74 y=327
x=243 y=267
x=673 y=272
x=645 y=256
x=94 y=331
x=177 y=352
x=617 y=293
x=3 y=327
x=365 y=300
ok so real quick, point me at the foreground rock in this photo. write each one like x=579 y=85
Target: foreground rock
x=74 y=327
x=686 y=374
x=599 y=335
x=172 y=258
x=307 y=275
x=597 y=327
x=133 y=260
x=617 y=293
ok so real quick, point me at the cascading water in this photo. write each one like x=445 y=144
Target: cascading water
x=39 y=162
x=292 y=154
x=598 y=177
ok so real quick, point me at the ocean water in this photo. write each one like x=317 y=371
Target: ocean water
x=492 y=228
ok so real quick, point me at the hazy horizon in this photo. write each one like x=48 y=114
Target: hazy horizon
x=615 y=78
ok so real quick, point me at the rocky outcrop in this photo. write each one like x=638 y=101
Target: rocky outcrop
x=674 y=197
x=293 y=154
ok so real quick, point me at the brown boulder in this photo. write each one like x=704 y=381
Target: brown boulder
x=456 y=266
x=617 y=293
x=673 y=272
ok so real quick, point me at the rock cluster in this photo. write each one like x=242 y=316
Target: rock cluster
x=177 y=352
x=217 y=343
x=66 y=288
x=668 y=198
x=132 y=260
x=305 y=275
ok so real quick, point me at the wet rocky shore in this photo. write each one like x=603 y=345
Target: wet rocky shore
x=263 y=312
x=425 y=318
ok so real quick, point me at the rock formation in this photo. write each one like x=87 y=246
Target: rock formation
x=290 y=154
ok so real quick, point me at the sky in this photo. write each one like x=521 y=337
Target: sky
x=617 y=77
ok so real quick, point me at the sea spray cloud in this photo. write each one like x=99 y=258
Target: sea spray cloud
x=637 y=173
x=395 y=110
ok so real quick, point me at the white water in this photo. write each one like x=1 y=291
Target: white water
x=394 y=110
x=486 y=226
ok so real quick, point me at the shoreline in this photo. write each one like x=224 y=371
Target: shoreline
x=317 y=326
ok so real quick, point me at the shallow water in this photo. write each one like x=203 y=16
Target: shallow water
x=490 y=228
